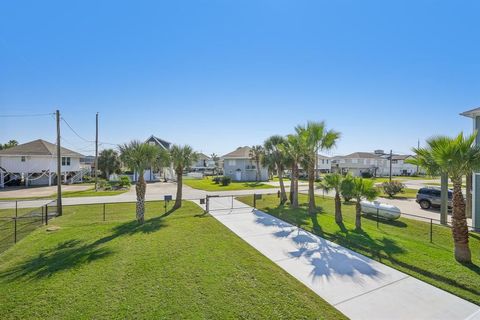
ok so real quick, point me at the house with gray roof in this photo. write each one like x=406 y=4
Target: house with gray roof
x=157 y=174
x=240 y=167
x=35 y=163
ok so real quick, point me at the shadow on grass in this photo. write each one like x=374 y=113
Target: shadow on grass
x=74 y=253
x=393 y=223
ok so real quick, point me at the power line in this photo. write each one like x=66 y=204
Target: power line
x=63 y=119
x=25 y=115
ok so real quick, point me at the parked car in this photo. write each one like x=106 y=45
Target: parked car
x=431 y=197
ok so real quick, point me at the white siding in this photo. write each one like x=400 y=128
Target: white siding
x=35 y=164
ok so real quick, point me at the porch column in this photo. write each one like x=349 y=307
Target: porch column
x=49 y=178
x=2 y=180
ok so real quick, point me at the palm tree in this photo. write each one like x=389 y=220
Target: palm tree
x=275 y=155
x=181 y=157
x=109 y=162
x=362 y=189
x=314 y=137
x=333 y=181
x=215 y=159
x=139 y=156
x=256 y=154
x=457 y=157
x=293 y=149
x=9 y=144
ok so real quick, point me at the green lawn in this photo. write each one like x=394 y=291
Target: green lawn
x=406 y=194
x=182 y=266
x=402 y=244
x=208 y=185
x=73 y=194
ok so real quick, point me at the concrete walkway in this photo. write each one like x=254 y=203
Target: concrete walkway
x=359 y=287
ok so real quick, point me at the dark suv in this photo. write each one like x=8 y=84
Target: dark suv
x=431 y=197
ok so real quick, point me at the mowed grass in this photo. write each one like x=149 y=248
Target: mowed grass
x=185 y=265
x=403 y=244
x=208 y=185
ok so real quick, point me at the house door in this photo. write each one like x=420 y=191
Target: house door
x=238 y=175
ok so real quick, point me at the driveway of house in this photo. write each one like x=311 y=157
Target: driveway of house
x=22 y=192
x=359 y=287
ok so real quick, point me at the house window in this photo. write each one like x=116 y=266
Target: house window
x=152 y=143
x=65 y=161
x=232 y=162
x=394 y=161
x=23 y=159
x=354 y=160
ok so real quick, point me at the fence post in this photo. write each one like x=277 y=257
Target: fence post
x=431 y=230
x=377 y=216
x=232 y=202
x=16 y=208
x=46 y=214
x=104 y=204
x=255 y=200
x=15 y=230
x=207 y=203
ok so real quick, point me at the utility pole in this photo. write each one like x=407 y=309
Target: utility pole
x=391 y=155
x=96 y=153
x=59 y=168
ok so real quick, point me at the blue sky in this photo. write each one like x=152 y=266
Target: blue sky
x=220 y=74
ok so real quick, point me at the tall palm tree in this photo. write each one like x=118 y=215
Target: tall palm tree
x=362 y=189
x=256 y=154
x=273 y=151
x=293 y=149
x=215 y=158
x=333 y=181
x=458 y=157
x=139 y=156
x=314 y=137
x=181 y=157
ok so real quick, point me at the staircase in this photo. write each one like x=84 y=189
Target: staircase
x=78 y=177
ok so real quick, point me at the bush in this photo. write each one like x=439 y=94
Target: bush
x=217 y=180
x=346 y=188
x=367 y=174
x=102 y=183
x=226 y=180
x=393 y=188
x=124 y=182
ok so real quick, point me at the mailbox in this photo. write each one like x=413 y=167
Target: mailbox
x=202 y=201
x=168 y=198
x=258 y=197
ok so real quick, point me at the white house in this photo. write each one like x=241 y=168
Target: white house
x=240 y=167
x=155 y=174
x=324 y=164
x=35 y=163
x=204 y=162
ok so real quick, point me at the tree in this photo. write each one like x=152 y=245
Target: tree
x=109 y=162
x=456 y=156
x=139 y=156
x=392 y=188
x=314 y=137
x=181 y=157
x=333 y=181
x=347 y=188
x=256 y=154
x=276 y=156
x=9 y=144
x=215 y=159
x=362 y=189
x=294 y=153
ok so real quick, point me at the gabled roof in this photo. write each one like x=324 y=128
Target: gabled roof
x=471 y=113
x=160 y=142
x=38 y=148
x=361 y=155
x=239 y=153
x=203 y=156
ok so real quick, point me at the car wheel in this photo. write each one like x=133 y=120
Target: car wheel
x=425 y=204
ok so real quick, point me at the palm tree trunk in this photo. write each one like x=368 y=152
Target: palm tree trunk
x=358 y=215
x=258 y=170
x=459 y=224
x=468 y=211
x=292 y=183
x=338 y=208
x=178 y=198
x=140 y=189
x=311 y=188
x=283 y=194
x=295 y=187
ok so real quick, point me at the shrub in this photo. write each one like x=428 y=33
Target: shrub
x=346 y=188
x=392 y=188
x=102 y=183
x=124 y=182
x=217 y=180
x=226 y=180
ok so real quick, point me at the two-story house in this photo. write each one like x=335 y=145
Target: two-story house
x=239 y=166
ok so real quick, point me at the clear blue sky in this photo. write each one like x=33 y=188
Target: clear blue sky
x=220 y=74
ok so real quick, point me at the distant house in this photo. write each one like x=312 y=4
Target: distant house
x=240 y=167
x=324 y=164
x=401 y=168
x=204 y=162
x=156 y=174
x=35 y=163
